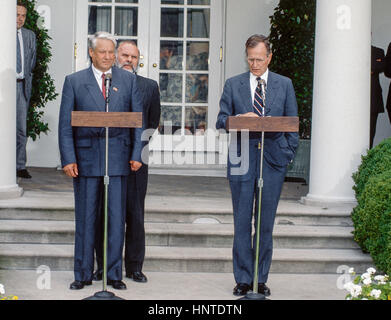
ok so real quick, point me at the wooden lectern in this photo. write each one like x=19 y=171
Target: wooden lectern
x=261 y=124
x=106 y=120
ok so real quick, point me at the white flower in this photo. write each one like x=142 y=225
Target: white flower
x=375 y=293
x=371 y=270
x=381 y=279
x=348 y=286
x=2 y=290
x=351 y=271
x=356 y=291
x=367 y=281
x=365 y=276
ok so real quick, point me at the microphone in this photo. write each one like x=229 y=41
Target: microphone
x=108 y=77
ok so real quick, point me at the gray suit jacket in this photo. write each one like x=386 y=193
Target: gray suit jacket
x=30 y=53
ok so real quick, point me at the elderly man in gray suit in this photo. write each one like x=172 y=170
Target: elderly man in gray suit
x=25 y=63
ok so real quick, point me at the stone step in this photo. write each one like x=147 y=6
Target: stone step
x=182 y=234
x=176 y=209
x=185 y=259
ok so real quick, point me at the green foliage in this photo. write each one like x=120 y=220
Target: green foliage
x=293 y=40
x=372 y=220
x=372 y=216
x=43 y=89
x=377 y=160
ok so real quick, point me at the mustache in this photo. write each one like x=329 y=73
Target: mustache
x=126 y=64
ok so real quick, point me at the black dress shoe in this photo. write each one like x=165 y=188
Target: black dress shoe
x=241 y=289
x=23 y=174
x=117 y=284
x=263 y=289
x=98 y=275
x=77 y=285
x=137 y=276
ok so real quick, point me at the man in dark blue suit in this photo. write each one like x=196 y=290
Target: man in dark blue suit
x=83 y=157
x=239 y=99
x=128 y=58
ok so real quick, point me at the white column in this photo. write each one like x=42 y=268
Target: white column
x=341 y=100
x=8 y=184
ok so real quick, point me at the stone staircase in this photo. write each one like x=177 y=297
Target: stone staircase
x=183 y=234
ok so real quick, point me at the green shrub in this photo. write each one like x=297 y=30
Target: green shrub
x=372 y=220
x=292 y=36
x=377 y=160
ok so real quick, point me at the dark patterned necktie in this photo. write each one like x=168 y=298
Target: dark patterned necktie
x=18 y=55
x=259 y=98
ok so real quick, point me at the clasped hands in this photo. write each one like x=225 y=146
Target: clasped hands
x=72 y=171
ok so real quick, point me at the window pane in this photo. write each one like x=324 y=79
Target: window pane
x=197 y=88
x=173 y=115
x=126 y=1
x=201 y=2
x=196 y=119
x=99 y=19
x=197 y=56
x=172 y=1
x=172 y=23
x=198 y=23
x=170 y=87
x=171 y=55
x=126 y=21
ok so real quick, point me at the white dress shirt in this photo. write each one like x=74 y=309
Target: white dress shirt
x=254 y=82
x=98 y=75
x=20 y=38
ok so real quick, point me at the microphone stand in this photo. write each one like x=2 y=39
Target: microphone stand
x=254 y=295
x=104 y=294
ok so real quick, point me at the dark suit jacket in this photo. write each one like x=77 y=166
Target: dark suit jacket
x=150 y=96
x=29 y=44
x=387 y=73
x=377 y=67
x=86 y=146
x=280 y=101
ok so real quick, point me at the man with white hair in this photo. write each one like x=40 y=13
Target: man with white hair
x=83 y=157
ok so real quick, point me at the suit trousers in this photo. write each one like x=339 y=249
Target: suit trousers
x=89 y=195
x=372 y=128
x=245 y=204
x=135 y=232
x=22 y=105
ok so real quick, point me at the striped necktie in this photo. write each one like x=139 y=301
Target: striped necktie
x=259 y=96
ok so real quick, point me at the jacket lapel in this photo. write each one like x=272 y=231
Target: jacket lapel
x=26 y=48
x=94 y=90
x=245 y=92
x=115 y=89
x=271 y=92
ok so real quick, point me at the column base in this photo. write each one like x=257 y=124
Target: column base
x=10 y=192
x=328 y=202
